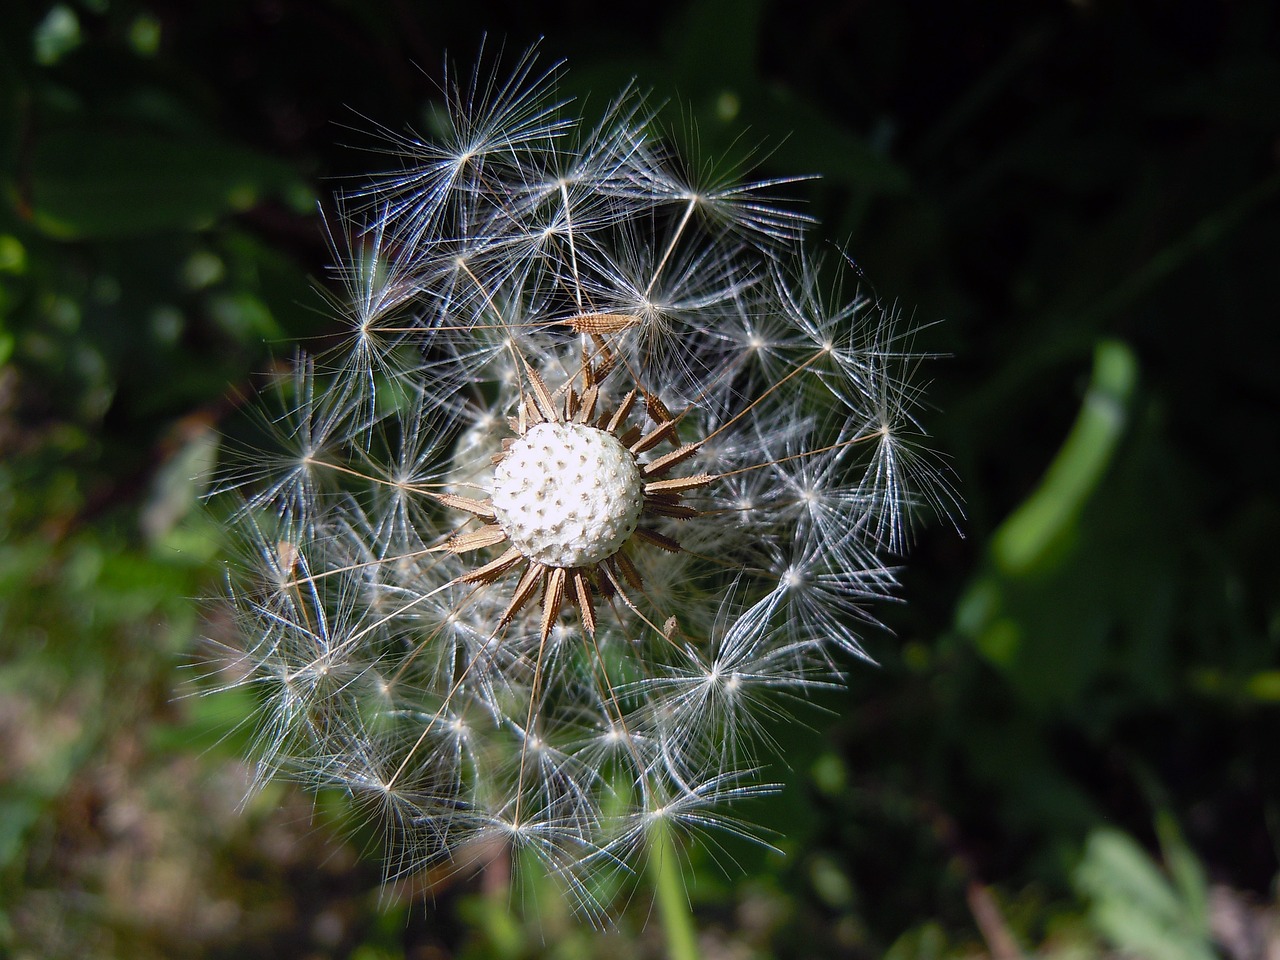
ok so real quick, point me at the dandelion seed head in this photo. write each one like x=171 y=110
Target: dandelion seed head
x=604 y=476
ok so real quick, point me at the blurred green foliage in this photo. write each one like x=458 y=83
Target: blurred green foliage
x=1086 y=192
x=1136 y=906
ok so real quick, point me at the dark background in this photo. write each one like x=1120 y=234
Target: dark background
x=1070 y=744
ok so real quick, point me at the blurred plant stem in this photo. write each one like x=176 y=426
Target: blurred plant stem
x=673 y=899
x=1030 y=532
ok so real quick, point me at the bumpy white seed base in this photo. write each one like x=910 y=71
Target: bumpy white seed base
x=568 y=495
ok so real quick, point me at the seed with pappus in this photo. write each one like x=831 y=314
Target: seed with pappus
x=605 y=470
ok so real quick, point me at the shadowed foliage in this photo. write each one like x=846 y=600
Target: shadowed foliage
x=1068 y=744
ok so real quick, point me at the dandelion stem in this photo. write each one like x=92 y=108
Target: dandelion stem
x=673 y=899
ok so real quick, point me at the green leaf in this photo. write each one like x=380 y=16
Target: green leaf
x=1186 y=871
x=1264 y=686
x=88 y=183
x=1027 y=536
x=1135 y=905
x=1115 y=866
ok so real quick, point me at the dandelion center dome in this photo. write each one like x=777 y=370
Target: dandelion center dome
x=568 y=495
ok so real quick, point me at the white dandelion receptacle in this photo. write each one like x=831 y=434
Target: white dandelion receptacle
x=568 y=495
